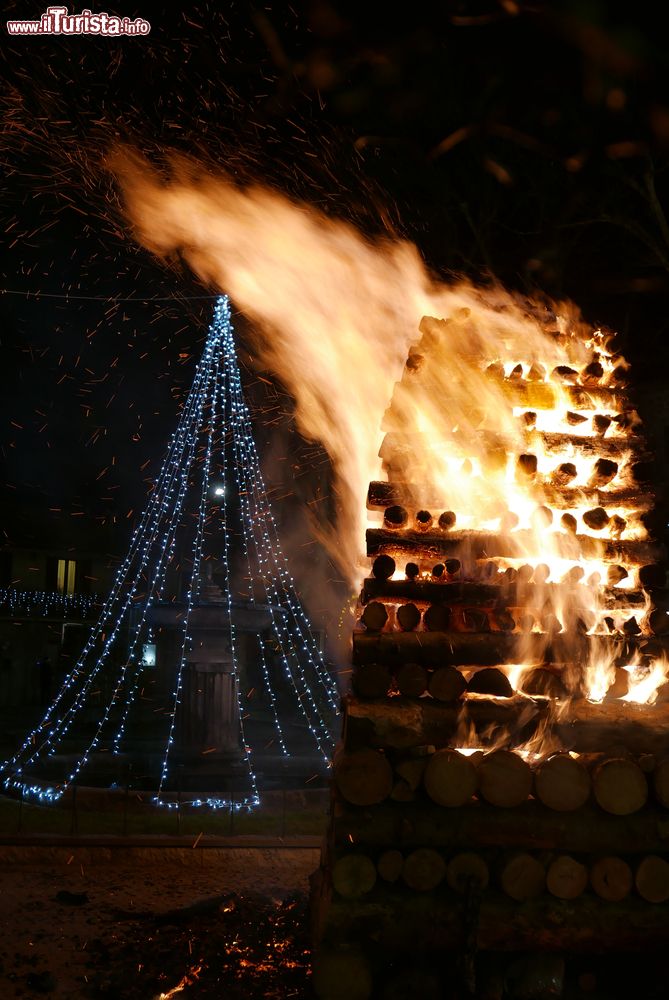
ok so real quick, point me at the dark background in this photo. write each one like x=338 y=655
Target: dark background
x=524 y=141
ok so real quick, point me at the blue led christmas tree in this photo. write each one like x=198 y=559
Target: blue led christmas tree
x=211 y=451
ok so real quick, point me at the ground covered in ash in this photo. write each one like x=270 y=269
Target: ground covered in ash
x=151 y=928
x=247 y=947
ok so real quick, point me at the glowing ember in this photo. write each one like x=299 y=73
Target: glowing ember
x=190 y=977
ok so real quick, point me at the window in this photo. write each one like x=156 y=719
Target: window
x=66 y=573
x=149 y=654
x=5 y=568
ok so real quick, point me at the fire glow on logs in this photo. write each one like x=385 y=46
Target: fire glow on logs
x=502 y=744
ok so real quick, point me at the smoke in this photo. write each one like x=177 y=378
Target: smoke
x=333 y=315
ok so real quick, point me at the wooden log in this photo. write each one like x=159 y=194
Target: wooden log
x=371 y=680
x=531 y=825
x=423 y=869
x=383 y=567
x=390 y=865
x=504 y=778
x=588 y=727
x=522 y=876
x=503 y=591
x=447 y=684
x=444 y=591
x=412 y=570
x=408 y=617
x=661 y=782
x=341 y=974
x=401 y=723
x=556 y=443
x=405 y=455
x=566 y=878
x=611 y=878
x=433 y=649
x=658 y=621
x=447 y=520
x=467 y=870
x=437 y=618
x=490 y=680
x=519 y=544
x=539 y=681
x=620 y=786
x=603 y=472
x=363 y=777
x=593 y=397
x=621 y=684
x=412 y=771
x=423 y=520
x=401 y=791
x=562 y=783
x=353 y=875
x=597 y=519
x=404 y=924
x=652 y=879
x=584 y=727
x=630 y=497
x=374 y=616
x=450 y=778
x=395 y=517
x=381 y=495
x=411 y=680
x=441 y=648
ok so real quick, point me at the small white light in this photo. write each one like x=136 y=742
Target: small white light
x=219 y=491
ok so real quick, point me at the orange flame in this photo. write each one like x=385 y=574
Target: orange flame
x=335 y=316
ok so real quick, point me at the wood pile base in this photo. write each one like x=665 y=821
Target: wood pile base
x=491 y=828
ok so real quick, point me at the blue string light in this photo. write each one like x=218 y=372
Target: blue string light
x=47 y=603
x=277 y=582
x=149 y=536
x=159 y=503
x=215 y=411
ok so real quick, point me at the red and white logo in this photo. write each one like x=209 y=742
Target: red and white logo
x=57 y=21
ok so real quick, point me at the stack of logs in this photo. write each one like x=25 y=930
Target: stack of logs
x=477 y=808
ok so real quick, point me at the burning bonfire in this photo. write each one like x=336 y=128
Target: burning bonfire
x=500 y=784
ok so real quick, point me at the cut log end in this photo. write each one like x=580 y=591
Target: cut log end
x=562 y=783
x=390 y=865
x=620 y=786
x=450 y=778
x=423 y=869
x=566 y=878
x=652 y=879
x=447 y=684
x=466 y=871
x=353 y=875
x=522 y=877
x=364 y=777
x=505 y=779
x=611 y=878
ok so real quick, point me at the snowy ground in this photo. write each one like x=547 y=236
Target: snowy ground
x=94 y=923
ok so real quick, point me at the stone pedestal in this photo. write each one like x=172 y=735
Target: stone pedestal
x=207 y=732
x=209 y=709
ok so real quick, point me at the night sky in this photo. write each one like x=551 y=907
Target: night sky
x=504 y=139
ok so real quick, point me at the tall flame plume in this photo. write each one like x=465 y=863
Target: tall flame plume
x=494 y=413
